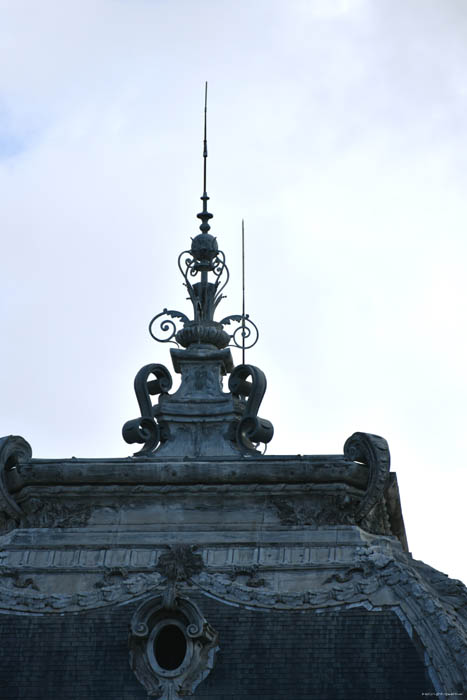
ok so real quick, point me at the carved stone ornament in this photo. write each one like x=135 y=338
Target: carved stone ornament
x=373 y=451
x=251 y=429
x=329 y=509
x=53 y=513
x=431 y=606
x=145 y=430
x=171 y=649
x=21 y=592
x=180 y=563
x=12 y=449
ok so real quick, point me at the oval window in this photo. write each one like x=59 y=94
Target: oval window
x=170 y=647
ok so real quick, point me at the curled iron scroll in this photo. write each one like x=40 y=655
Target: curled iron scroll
x=249 y=382
x=247 y=333
x=191 y=267
x=222 y=273
x=167 y=325
x=373 y=451
x=145 y=430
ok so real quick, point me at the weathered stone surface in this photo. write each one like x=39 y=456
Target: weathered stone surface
x=291 y=491
x=267 y=533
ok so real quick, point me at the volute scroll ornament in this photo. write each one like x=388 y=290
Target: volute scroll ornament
x=373 y=451
x=248 y=383
x=246 y=335
x=167 y=326
x=13 y=449
x=145 y=429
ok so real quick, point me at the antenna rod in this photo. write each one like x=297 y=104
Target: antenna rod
x=205 y=215
x=205 y=148
x=243 y=292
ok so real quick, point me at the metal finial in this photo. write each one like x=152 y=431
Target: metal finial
x=205 y=142
x=205 y=263
x=243 y=292
x=205 y=215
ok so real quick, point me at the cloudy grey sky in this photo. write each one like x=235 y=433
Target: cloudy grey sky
x=337 y=129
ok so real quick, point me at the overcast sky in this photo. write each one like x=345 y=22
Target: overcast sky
x=337 y=129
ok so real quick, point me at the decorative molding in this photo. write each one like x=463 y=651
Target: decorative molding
x=113 y=576
x=377 y=575
x=372 y=450
x=434 y=605
x=195 y=646
x=252 y=575
x=346 y=508
x=180 y=563
x=42 y=513
x=209 y=332
x=13 y=448
x=228 y=558
x=23 y=594
x=18 y=579
x=323 y=510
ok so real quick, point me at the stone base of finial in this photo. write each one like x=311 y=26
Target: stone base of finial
x=197 y=419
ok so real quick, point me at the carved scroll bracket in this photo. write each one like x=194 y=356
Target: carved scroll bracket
x=13 y=449
x=373 y=451
x=146 y=429
x=248 y=383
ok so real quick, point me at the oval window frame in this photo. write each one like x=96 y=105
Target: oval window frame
x=166 y=622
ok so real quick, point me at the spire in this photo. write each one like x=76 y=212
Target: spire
x=205 y=215
x=205 y=274
x=200 y=418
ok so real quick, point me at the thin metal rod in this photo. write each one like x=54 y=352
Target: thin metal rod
x=205 y=148
x=243 y=292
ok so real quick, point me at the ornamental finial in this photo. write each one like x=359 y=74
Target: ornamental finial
x=205 y=275
x=205 y=215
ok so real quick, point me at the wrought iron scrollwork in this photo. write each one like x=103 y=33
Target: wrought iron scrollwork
x=167 y=325
x=205 y=296
x=205 y=275
x=145 y=429
x=249 y=382
x=247 y=333
x=372 y=450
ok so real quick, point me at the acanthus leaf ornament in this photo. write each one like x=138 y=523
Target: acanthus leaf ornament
x=180 y=563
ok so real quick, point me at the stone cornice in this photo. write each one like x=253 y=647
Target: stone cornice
x=290 y=491
x=146 y=471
